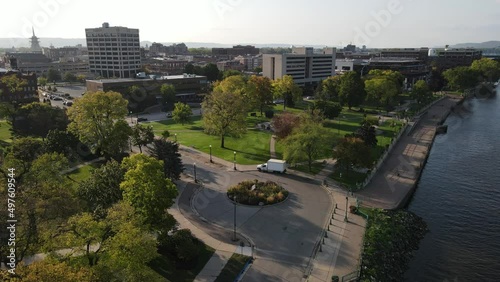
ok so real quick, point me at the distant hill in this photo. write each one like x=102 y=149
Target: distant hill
x=484 y=45
x=61 y=42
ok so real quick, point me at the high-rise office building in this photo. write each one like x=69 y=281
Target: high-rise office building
x=113 y=51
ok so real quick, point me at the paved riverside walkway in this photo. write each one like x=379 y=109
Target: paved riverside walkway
x=397 y=177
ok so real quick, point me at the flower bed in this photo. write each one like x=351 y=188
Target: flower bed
x=255 y=193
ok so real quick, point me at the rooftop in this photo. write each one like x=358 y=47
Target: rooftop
x=168 y=77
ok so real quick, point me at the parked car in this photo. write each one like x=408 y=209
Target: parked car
x=279 y=101
x=169 y=115
x=141 y=119
x=69 y=103
x=57 y=98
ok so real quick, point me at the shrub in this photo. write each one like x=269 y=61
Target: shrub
x=266 y=192
x=182 y=245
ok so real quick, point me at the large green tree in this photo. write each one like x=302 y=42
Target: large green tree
x=168 y=152
x=488 y=68
x=224 y=114
x=308 y=142
x=381 y=92
x=327 y=108
x=352 y=152
x=37 y=119
x=101 y=189
x=98 y=120
x=53 y=75
x=351 y=90
x=421 y=93
x=286 y=89
x=211 y=72
x=142 y=135
x=461 y=78
x=182 y=113
x=13 y=83
x=329 y=89
x=232 y=84
x=168 y=96
x=147 y=189
x=260 y=92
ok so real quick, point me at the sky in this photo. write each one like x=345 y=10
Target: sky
x=374 y=23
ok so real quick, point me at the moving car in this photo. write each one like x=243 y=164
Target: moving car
x=141 y=119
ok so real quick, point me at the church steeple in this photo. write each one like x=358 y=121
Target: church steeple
x=35 y=43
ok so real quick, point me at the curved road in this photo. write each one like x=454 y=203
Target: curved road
x=284 y=235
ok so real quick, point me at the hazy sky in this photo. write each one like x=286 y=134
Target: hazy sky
x=376 y=23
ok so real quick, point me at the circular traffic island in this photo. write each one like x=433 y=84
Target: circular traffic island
x=255 y=193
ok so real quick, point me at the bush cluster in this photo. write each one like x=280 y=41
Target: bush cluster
x=254 y=192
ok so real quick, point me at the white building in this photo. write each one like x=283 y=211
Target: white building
x=113 y=51
x=303 y=64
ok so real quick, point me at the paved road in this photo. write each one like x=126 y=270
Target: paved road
x=284 y=234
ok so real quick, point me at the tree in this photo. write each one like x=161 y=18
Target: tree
x=189 y=68
x=69 y=77
x=182 y=113
x=102 y=189
x=368 y=134
x=284 y=88
x=42 y=81
x=98 y=120
x=142 y=135
x=327 y=108
x=224 y=114
x=53 y=75
x=168 y=152
x=59 y=141
x=461 y=78
x=229 y=73
x=211 y=72
x=352 y=152
x=381 y=91
x=351 y=90
x=13 y=83
x=260 y=91
x=147 y=189
x=37 y=119
x=307 y=142
x=258 y=69
x=421 y=93
x=488 y=68
x=49 y=270
x=233 y=84
x=284 y=123
x=329 y=89
x=81 y=78
x=24 y=151
x=168 y=96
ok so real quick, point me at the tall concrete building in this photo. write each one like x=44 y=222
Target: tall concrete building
x=305 y=66
x=114 y=51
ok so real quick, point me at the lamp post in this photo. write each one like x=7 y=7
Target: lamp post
x=234 y=218
x=131 y=118
x=234 y=160
x=175 y=137
x=346 y=202
x=211 y=154
x=194 y=168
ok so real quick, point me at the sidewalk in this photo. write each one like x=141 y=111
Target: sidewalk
x=223 y=251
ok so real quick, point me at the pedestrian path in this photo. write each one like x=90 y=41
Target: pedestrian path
x=223 y=251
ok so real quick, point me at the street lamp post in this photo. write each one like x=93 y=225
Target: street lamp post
x=346 y=202
x=211 y=154
x=194 y=168
x=131 y=117
x=234 y=161
x=175 y=137
x=234 y=218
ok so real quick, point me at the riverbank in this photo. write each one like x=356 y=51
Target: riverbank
x=396 y=180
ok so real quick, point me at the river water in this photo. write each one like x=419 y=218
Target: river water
x=459 y=198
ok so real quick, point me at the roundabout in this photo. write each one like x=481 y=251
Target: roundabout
x=255 y=193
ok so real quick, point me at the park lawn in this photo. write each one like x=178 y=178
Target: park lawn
x=251 y=148
x=316 y=167
x=349 y=179
x=232 y=268
x=82 y=173
x=165 y=266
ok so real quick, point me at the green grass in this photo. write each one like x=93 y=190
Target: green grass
x=316 y=167
x=251 y=148
x=165 y=266
x=349 y=179
x=83 y=172
x=233 y=267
